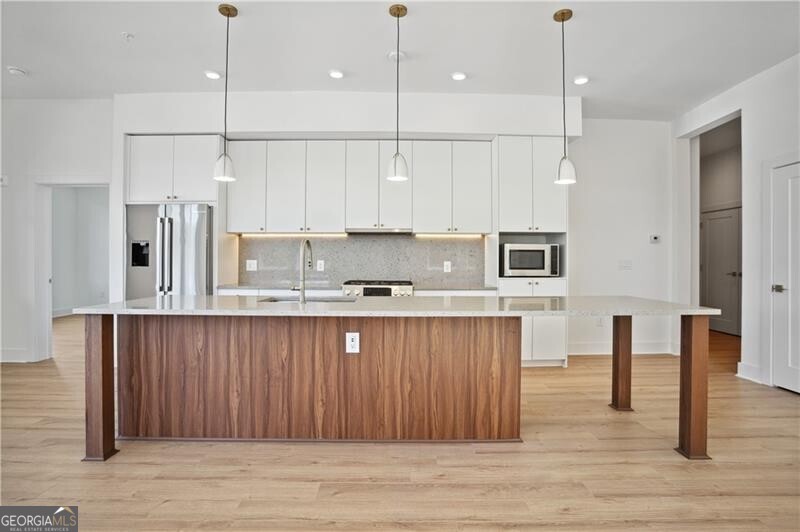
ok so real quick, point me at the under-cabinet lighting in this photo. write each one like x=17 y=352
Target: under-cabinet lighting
x=293 y=235
x=437 y=235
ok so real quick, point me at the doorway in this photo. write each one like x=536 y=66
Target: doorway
x=78 y=250
x=720 y=262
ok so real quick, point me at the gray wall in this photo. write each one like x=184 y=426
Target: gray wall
x=383 y=257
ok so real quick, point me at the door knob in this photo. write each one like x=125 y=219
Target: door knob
x=779 y=288
x=732 y=274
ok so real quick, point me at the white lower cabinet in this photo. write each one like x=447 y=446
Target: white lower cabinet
x=543 y=337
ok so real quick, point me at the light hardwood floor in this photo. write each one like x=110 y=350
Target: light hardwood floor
x=582 y=465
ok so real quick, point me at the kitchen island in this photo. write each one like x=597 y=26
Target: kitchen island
x=426 y=368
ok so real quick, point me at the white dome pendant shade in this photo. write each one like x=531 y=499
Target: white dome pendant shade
x=223 y=169
x=566 y=172
x=398 y=168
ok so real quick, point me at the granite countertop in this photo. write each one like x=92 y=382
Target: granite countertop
x=402 y=307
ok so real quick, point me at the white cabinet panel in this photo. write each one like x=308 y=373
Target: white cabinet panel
x=552 y=287
x=549 y=199
x=472 y=187
x=526 y=336
x=325 y=186
x=516 y=184
x=362 y=187
x=286 y=186
x=247 y=196
x=549 y=338
x=193 y=168
x=395 y=196
x=432 y=187
x=521 y=287
x=150 y=168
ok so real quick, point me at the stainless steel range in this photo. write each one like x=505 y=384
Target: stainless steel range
x=363 y=288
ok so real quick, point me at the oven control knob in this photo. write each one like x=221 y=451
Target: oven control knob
x=347 y=292
x=356 y=292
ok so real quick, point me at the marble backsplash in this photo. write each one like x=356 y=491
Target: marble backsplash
x=356 y=256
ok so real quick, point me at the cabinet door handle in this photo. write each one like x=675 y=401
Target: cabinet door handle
x=260 y=228
x=530 y=228
x=381 y=225
x=374 y=225
x=456 y=229
x=448 y=229
x=535 y=228
x=308 y=229
x=301 y=228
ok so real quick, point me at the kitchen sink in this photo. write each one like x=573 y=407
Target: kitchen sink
x=309 y=299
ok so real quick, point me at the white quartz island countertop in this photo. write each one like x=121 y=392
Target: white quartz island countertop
x=401 y=307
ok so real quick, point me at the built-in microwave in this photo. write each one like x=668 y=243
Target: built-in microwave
x=529 y=260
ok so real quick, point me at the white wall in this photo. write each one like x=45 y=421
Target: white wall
x=770 y=109
x=622 y=197
x=44 y=142
x=80 y=247
x=720 y=180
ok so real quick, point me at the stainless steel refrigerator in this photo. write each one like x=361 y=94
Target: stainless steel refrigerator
x=168 y=250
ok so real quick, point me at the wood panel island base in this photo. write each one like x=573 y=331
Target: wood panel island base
x=272 y=377
x=428 y=368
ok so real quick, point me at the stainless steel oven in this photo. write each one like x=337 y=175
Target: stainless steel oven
x=529 y=260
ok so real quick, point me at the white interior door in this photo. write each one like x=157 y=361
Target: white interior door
x=786 y=277
x=721 y=272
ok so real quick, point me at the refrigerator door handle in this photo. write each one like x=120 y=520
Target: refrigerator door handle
x=170 y=244
x=160 y=248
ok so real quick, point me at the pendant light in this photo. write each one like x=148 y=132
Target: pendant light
x=398 y=168
x=223 y=169
x=566 y=170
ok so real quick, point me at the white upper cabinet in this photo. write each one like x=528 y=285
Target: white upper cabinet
x=247 y=196
x=472 y=187
x=530 y=201
x=362 y=190
x=286 y=186
x=150 y=168
x=325 y=186
x=395 y=196
x=193 y=168
x=516 y=184
x=549 y=199
x=432 y=187
x=172 y=168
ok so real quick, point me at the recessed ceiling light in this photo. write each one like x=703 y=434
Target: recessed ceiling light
x=394 y=54
x=580 y=80
x=458 y=76
x=211 y=74
x=336 y=74
x=16 y=71
x=127 y=36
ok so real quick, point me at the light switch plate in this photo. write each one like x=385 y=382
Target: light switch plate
x=352 y=342
x=320 y=265
x=251 y=265
x=448 y=266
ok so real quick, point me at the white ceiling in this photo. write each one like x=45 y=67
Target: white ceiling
x=645 y=59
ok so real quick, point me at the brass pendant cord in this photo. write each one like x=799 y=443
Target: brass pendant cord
x=397 y=92
x=225 y=119
x=563 y=91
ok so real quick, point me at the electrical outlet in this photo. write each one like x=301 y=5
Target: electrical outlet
x=352 y=342
x=448 y=266
x=251 y=265
x=320 y=265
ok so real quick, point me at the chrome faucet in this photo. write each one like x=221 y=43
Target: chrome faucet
x=304 y=263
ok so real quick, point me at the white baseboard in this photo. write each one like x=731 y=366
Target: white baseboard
x=17 y=355
x=604 y=348
x=542 y=363
x=749 y=372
